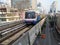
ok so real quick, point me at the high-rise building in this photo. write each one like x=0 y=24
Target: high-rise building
x=34 y=4
x=20 y=4
x=8 y=14
x=8 y=2
x=53 y=7
x=13 y=3
x=23 y=4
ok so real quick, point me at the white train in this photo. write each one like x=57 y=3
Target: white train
x=31 y=17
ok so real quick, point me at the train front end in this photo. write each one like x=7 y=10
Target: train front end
x=30 y=17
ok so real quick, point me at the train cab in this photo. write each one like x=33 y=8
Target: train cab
x=30 y=17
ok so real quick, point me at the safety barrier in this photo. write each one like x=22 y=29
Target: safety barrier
x=29 y=37
x=23 y=40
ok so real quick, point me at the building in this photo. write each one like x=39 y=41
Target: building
x=8 y=14
x=21 y=4
x=39 y=8
x=53 y=7
x=8 y=2
x=33 y=4
x=24 y=4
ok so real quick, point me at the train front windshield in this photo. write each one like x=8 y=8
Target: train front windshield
x=30 y=15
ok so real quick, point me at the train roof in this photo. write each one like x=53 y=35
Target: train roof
x=30 y=11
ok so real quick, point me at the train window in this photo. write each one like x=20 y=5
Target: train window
x=30 y=15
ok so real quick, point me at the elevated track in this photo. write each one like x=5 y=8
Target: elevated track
x=10 y=35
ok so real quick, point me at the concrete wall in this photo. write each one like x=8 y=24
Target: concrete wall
x=29 y=37
x=23 y=40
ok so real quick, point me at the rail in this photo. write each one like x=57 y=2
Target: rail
x=6 y=31
x=6 y=34
x=9 y=24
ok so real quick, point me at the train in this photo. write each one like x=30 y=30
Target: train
x=31 y=17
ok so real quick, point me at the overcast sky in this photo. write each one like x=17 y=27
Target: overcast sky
x=46 y=4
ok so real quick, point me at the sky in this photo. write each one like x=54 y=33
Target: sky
x=46 y=4
x=2 y=0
